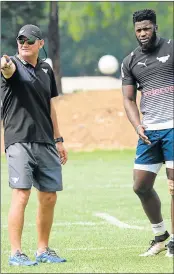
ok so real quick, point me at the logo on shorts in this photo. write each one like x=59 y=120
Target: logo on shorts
x=15 y=179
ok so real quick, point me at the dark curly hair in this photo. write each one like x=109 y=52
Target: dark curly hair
x=145 y=14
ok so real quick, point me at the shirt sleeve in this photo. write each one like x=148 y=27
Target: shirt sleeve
x=126 y=74
x=3 y=83
x=54 y=91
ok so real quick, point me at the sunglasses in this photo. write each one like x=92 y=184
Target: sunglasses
x=29 y=41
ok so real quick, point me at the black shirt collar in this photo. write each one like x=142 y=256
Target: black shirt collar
x=25 y=63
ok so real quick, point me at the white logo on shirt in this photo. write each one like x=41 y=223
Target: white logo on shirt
x=163 y=59
x=15 y=179
x=45 y=70
x=122 y=73
x=144 y=64
x=169 y=41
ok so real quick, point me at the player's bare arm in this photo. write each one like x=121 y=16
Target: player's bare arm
x=7 y=66
x=130 y=105
x=59 y=145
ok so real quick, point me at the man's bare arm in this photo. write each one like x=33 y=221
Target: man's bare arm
x=130 y=105
x=7 y=66
x=54 y=119
x=60 y=148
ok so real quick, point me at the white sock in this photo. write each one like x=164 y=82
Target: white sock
x=172 y=237
x=159 y=229
x=41 y=250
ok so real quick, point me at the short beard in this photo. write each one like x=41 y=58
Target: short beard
x=149 y=46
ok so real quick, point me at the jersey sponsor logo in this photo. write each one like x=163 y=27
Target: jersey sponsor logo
x=159 y=91
x=163 y=59
x=15 y=179
x=141 y=63
x=45 y=70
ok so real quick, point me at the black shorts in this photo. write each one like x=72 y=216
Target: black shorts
x=34 y=164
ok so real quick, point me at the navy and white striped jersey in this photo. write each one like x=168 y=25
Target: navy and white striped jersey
x=153 y=74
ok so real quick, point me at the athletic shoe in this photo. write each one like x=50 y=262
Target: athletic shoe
x=49 y=256
x=170 y=249
x=156 y=246
x=21 y=259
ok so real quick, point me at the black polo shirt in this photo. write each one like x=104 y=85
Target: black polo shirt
x=26 y=103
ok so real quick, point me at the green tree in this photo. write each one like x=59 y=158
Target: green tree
x=14 y=15
x=98 y=28
x=87 y=30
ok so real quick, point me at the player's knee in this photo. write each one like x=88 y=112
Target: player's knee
x=171 y=186
x=48 y=199
x=141 y=190
x=138 y=190
x=21 y=196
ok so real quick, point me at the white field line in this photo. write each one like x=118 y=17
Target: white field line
x=114 y=186
x=105 y=248
x=114 y=221
x=87 y=248
x=79 y=223
x=65 y=224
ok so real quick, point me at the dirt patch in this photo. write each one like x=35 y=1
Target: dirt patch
x=93 y=120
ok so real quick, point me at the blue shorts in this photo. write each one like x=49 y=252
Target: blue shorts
x=161 y=149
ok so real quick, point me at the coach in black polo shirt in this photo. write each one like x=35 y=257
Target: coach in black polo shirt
x=33 y=144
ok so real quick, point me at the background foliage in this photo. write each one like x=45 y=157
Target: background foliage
x=87 y=30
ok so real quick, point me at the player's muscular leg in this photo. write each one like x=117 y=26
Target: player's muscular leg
x=143 y=187
x=170 y=176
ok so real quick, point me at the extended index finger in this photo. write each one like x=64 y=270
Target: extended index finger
x=6 y=57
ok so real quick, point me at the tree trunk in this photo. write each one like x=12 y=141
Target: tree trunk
x=54 y=42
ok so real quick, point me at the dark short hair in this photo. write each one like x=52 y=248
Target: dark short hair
x=145 y=14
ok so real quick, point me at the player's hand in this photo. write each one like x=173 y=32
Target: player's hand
x=140 y=131
x=62 y=153
x=6 y=62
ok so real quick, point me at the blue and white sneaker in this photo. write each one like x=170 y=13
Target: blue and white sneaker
x=49 y=256
x=20 y=259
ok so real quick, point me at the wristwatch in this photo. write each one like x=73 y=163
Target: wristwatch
x=59 y=139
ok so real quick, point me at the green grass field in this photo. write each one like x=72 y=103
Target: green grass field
x=94 y=182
